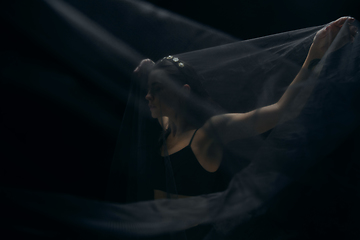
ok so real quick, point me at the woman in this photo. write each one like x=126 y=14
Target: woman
x=155 y=217
x=175 y=96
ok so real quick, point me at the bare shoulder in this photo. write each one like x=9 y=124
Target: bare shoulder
x=234 y=126
x=207 y=150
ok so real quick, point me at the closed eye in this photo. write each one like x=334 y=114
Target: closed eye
x=155 y=87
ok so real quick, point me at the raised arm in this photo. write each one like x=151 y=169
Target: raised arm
x=240 y=125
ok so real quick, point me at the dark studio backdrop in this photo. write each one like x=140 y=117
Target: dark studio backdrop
x=256 y=18
x=59 y=131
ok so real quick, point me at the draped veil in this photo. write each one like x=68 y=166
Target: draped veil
x=298 y=180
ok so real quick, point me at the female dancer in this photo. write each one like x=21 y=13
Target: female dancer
x=194 y=138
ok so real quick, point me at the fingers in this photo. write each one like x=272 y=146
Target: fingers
x=322 y=33
x=142 y=71
x=353 y=32
x=144 y=64
x=351 y=29
x=146 y=61
x=324 y=38
x=340 y=22
x=335 y=26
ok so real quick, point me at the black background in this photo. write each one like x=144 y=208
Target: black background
x=47 y=146
x=256 y=18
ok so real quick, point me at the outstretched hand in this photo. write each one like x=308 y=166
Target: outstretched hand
x=325 y=37
x=145 y=64
x=143 y=69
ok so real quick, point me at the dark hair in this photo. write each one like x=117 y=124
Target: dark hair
x=198 y=106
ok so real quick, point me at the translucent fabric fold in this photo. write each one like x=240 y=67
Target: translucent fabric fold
x=297 y=180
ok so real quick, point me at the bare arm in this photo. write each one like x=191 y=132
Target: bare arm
x=240 y=125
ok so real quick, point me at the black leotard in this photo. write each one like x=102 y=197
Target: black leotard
x=190 y=177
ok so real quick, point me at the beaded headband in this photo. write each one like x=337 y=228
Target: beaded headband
x=175 y=60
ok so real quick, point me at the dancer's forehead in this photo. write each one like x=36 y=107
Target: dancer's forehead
x=156 y=76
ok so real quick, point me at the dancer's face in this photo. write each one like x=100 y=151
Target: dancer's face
x=161 y=96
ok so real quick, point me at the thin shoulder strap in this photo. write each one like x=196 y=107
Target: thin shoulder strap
x=193 y=137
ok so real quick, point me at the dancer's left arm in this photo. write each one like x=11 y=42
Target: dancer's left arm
x=233 y=126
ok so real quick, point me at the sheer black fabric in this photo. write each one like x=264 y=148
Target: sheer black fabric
x=298 y=180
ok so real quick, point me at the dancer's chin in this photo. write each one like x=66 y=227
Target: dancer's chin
x=154 y=113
